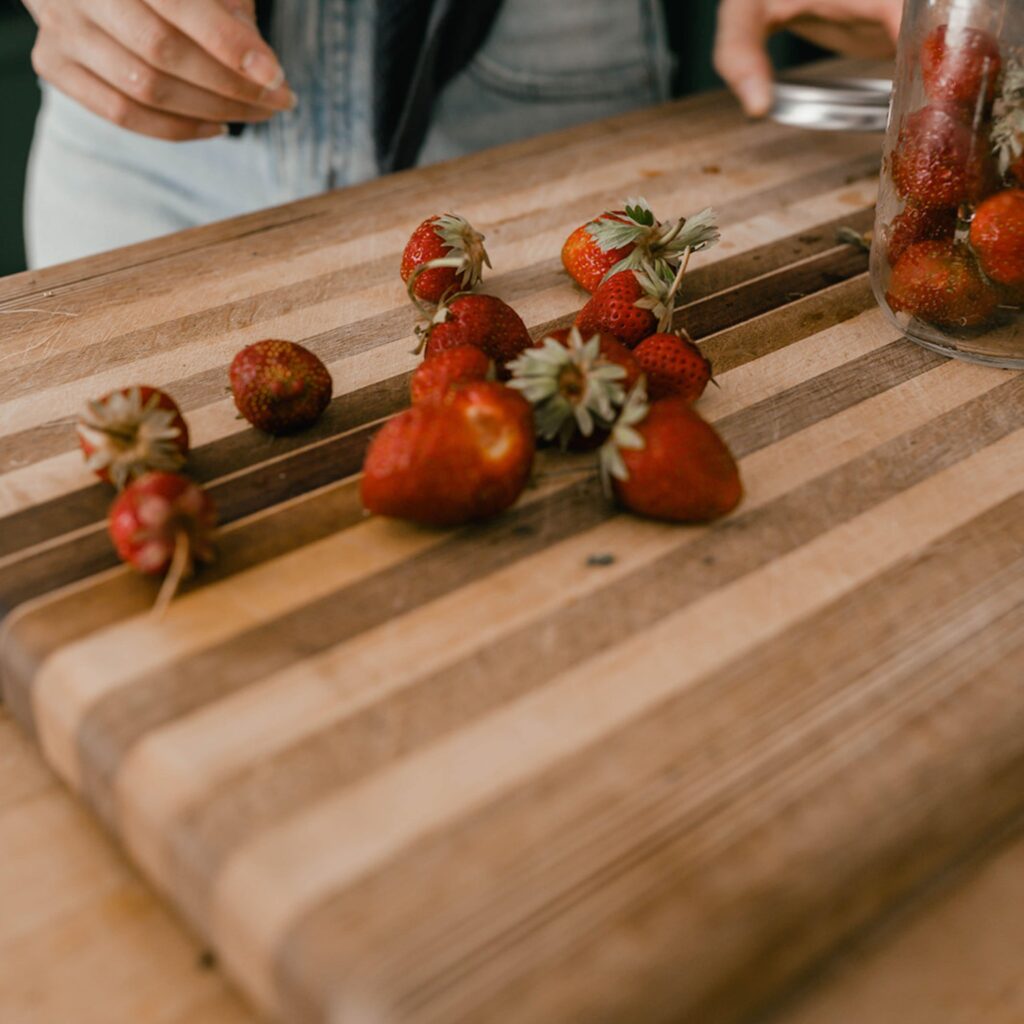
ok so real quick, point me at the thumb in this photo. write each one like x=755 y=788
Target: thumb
x=242 y=8
x=740 y=56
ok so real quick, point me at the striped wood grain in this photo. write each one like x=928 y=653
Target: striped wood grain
x=395 y=774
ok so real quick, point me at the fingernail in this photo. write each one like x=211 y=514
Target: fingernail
x=212 y=131
x=247 y=16
x=263 y=70
x=284 y=100
x=756 y=95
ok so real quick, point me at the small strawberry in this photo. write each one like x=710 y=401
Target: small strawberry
x=632 y=238
x=279 y=386
x=940 y=162
x=919 y=224
x=961 y=66
x=997 y=237
x=446 y=237
x=663 y=460
x=629 y=306
x=438 y=373
x=483 y=321
x=576 y=388
x=163 y=523
x=939 y=283
x=129 y=432
x=674 y=367
x=447 y=463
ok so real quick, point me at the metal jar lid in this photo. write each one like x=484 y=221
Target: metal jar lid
x=838 y=105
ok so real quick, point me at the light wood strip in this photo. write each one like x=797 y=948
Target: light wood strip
x=261 y=894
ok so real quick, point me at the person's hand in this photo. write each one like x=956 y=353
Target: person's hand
x=171 y=69
x=864 y=28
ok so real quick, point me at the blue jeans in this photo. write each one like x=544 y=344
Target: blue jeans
x=545 y=66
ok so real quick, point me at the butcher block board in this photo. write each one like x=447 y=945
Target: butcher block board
x=393 y=774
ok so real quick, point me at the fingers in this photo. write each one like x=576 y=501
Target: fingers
x=105 y=101
x=161 y=46
x=124 y=71
x=232 y=40
x=890 y=14
x=740 y=56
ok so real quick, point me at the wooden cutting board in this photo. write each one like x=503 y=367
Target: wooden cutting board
x=571 y=765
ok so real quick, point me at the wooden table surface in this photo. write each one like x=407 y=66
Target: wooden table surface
x=392 y=774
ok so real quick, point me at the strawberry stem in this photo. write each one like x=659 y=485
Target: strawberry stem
x=665 y=323
x=427 y=309
x=176 y=571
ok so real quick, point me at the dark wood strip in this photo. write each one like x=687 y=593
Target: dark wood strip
x=636 y=836
x=201 y=389
x=386 y=201
x=523 y=660
x=45 y=572
x=123 y=349
x=249 y=449
x=267 y=483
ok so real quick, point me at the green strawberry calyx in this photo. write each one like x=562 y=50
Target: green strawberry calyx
x=663 y=245
x=466 y=244
x=572 y=387
x=129 y=436
x=624 y=436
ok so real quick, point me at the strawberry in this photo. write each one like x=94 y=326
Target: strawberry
x=628 y=306
x=919 y=224
x=663 y=460
x=939 y=162
x=997 y=237
x=484 y=321
x=280 y=387
x=445 y=237
x=632 y=238
x=129 y=432
x=940 y=284
x=437 y=374
x=576 y=387
x=674 y=367
x=961 y=66
x=163 y=523
x=456 y=461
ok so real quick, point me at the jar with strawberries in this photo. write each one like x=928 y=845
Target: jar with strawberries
x=948 y=253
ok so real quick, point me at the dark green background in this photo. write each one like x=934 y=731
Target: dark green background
x=19 y=96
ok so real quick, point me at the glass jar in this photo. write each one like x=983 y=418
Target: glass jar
x=947 y=262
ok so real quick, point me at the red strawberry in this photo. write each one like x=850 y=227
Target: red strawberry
x=279 y=386
x=632 y=238
x=919 y=224
x=576 y=387
x=628 y=305
x=674 y=367
x=664 y=461
x=585 y=261
x=438 y=373
x=446 y=463
x=939 y=162
x=940 y=284
x=163 y=523
x=484 y=321
x=445 y=237
x=129 y=432
x=961 y=66
x=997 y=237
